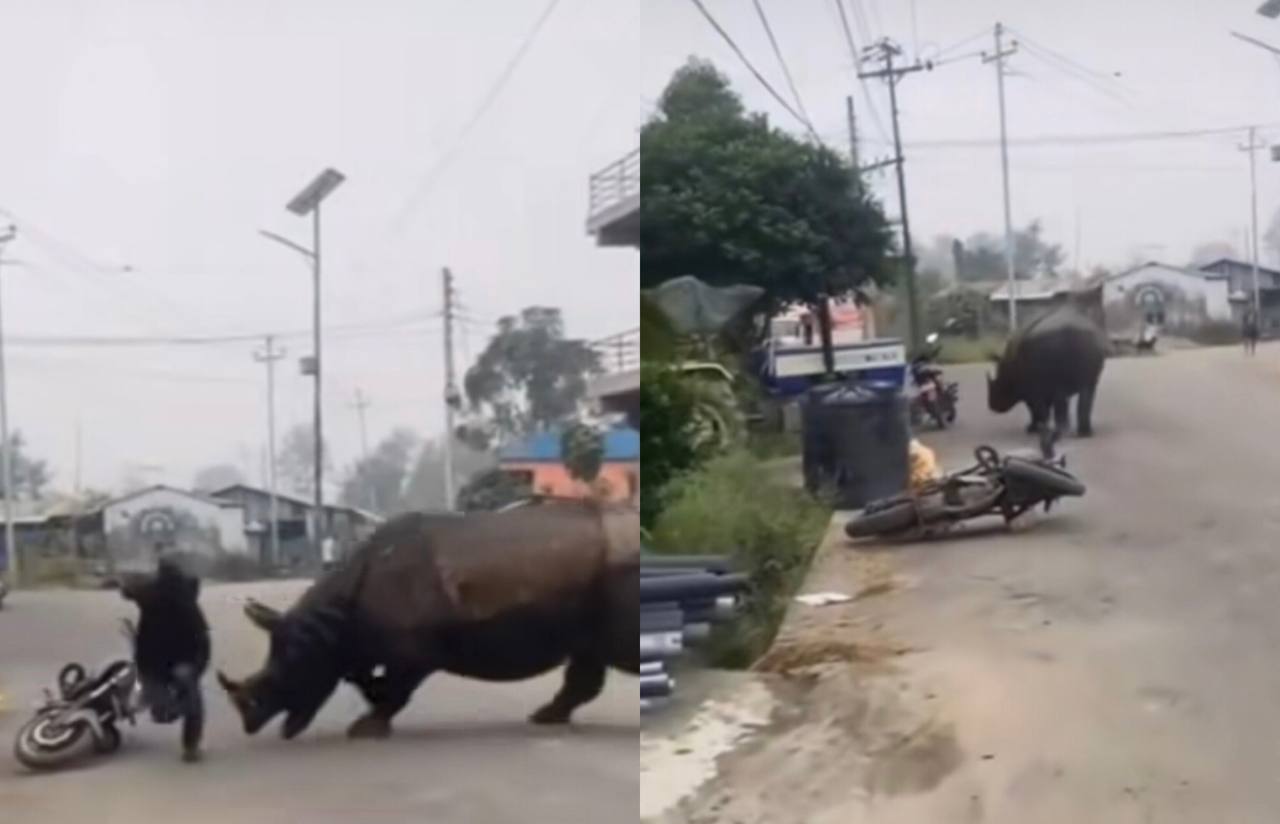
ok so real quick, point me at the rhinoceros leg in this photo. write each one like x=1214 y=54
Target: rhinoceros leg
x=387 y=695
x=583 y=680
x=1084 y=411
x=1061 y=415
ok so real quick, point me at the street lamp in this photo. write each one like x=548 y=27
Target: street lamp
x=307 y=202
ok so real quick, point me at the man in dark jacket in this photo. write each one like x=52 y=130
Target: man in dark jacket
x=171 y=649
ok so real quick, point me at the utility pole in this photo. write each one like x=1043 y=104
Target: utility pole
x=998 y=58
x=268 y=355
x=885 y=51
x=853 y=142
x=79 y=454
x=451 y=397
x=1253 y=147
x=10 y=539
x=360 y=404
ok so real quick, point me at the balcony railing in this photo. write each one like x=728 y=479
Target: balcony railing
x=612 y=187
x=620 y=352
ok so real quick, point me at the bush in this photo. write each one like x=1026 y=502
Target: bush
x=668 y=434
x=970 y=350
x=235 y=567
x=730 y=506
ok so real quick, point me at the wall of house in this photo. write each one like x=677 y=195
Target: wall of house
x=1189 y=300
x=618 y=481
x=137 y=529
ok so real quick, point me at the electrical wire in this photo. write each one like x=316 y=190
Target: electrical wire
x=1102 y=83
x=857 y=59
x=429 y=178
x=1083 y=139
x=754 y=71
x=777 y=51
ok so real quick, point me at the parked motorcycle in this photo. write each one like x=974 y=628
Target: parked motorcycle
x=1005 y=485
x=932 y=396
x=83 y=717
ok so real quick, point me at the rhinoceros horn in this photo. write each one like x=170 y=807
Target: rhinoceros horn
x=261 y=615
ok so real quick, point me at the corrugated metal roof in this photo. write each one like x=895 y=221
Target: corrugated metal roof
x=620 y=445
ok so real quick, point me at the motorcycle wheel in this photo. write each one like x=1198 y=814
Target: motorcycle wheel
x=43 y=744
x=895 y=518
x=1054 y=481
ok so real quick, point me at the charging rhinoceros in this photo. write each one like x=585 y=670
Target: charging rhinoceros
x=498 y=596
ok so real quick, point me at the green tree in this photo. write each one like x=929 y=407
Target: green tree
x=425 y=488
x=670 y=435
x=296 y=460
x=377 y=483
x=582 y=446
x=529 y=377
x=217 y=477
x=981 y=257
x=30 y=475
x=729 y=199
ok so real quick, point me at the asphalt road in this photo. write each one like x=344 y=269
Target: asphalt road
x=1117 y=660
x=462 y=751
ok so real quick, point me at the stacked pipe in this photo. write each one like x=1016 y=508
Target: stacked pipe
x=681 y=596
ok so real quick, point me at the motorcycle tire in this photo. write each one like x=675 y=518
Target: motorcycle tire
x=59 y=747
x=895 y=518
x=111 y=740
x=1053 y=481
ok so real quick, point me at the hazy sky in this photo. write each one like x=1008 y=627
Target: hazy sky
x=1178 y=70
x=162 y=134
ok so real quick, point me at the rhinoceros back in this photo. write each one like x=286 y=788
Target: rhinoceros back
x=426 y=570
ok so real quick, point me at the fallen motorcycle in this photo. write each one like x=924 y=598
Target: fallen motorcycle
x=83 y=717
x=1006 y=485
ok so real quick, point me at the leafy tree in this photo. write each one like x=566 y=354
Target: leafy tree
x=529 y=377
x=729 y=199
x=216 y=477
x=424 y=488
x=981 y=257
x=30 y=475
x=377 y=482
x=583 y=449
x=296 y=460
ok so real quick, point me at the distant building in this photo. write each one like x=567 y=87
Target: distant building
x=1178 y=298
x=347 y=525
x=538 y=460
x=143 y=525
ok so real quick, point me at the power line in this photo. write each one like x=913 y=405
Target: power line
x=857 y=59
x=751 y=67
x=1083 y=139
x=777 y=51
x=430 y=177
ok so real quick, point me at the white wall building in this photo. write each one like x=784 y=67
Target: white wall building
x=1184 y=297
x=160 y=519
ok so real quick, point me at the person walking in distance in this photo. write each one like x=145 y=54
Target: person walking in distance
x=1250 y=332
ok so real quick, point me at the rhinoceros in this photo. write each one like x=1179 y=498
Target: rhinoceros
x=1054 y=357
x=497 y=596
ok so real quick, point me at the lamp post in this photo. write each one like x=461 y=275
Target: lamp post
x=307 y=202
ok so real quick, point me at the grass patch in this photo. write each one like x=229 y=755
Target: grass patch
x=731 y=506
x=970 y=350
x=768 y=446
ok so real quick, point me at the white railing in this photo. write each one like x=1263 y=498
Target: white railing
x=615 y=184
x=620 y=352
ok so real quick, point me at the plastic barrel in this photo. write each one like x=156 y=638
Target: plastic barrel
x=856 y=437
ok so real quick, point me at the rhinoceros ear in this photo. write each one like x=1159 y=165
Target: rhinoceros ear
x=261 y=615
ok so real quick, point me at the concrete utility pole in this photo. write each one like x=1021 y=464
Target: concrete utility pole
x=853 y=142
x=886 y=51
x=360 y=404
x=10 y=540
x=998 y=58
x=268 y=355
x=1252 y=147
x=451 y=396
